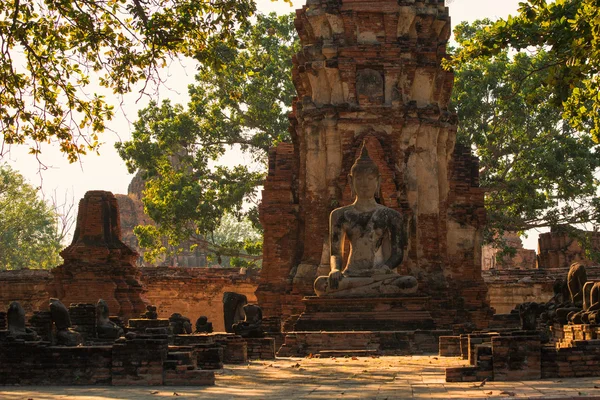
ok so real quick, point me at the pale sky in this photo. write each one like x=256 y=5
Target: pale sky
x=108 y=171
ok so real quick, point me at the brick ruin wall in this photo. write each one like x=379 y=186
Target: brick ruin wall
x=28 y=287
x=191 y=292
x=99 y=264
x=196 y=291
x=529 y=276
x=521 y=258
x=557 y=249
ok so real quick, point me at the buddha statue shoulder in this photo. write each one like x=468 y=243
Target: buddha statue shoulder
x=377 y=238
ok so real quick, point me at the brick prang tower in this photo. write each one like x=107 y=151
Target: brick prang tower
x=370 y=70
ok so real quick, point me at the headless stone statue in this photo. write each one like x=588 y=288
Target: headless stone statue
x=233 y=309
x=593 y=310
x=180 y=325
x=65 y=335
x=203 y=326
x=105 y=328
x=560 y=300
x=251 y=326
x=16 y=323
x=591 y=305
x=377 y=241
x=150 y=313
x=576 y=279
x=528 y=313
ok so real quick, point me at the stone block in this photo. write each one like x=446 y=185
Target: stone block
x=368 y=314
x=235 y=349
x=261 y=348
x=128 y=356
x=187 y=377
x=516 y=358
x=450 y=346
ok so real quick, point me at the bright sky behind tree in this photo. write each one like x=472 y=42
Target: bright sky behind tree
x=108 y=171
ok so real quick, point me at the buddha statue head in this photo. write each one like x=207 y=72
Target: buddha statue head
x=364 y=178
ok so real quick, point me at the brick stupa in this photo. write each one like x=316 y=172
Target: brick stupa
x=370 y=70
x=97 y=264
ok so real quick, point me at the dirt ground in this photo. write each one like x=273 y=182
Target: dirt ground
x=413 y=377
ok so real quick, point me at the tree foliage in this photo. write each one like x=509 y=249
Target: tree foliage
x=567 y=32
x=537 y=169
x=242 y=101
x=236 y=243
x=29 y=235
x=50 y=50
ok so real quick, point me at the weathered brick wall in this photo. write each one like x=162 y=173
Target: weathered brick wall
x=27 y=286
x=507 y=288
x=189 y=291
x=193 y=292
x=504 y=297
x=559 y=249
x=23 y=363
x=581 y=361
x=521 y=259
x=464 y=296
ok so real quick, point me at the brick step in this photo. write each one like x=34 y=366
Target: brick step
x=210 y=357
x=180 y=360
x=348 y=353
x=196 y=377
x=174 y=364
x=180 y=356
x=586 y=343
x=400 y=315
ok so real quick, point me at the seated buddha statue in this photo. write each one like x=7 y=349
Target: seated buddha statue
x=377 y=239
x=591 y=305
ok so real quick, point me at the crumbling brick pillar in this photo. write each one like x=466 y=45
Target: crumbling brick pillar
x=98 y=265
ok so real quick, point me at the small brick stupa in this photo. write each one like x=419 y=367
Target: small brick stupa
x=97 y=264
x=370 y=71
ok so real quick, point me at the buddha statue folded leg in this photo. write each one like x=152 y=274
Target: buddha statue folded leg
x=390 y=284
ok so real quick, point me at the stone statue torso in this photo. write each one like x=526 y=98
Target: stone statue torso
x=370 y=235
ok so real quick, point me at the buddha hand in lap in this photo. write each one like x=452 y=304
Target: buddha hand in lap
x=377 y=240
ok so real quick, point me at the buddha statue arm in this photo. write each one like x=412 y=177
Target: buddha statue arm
x=397 y=240
x=336 y=240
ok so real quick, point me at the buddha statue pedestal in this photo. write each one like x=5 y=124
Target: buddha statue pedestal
x=365 y=314
x=386 y=326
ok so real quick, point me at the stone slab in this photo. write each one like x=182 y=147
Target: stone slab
x=375 y=342
x=365 y=314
